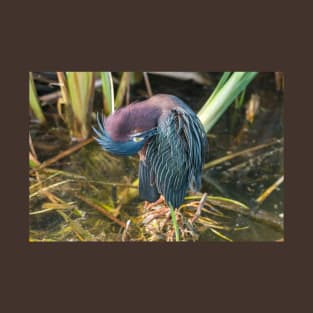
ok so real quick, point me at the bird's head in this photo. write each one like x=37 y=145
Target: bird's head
x=125 y=131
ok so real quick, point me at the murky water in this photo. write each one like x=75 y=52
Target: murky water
x=106 y=177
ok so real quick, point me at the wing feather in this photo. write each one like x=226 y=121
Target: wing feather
x=147 y=187
x=175 y=154
x=171 y=155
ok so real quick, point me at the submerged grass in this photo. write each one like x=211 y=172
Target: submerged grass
x=154 y=225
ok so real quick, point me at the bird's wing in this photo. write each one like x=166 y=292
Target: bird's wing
x=197 y=147
x=169 y=157
x=147 y=188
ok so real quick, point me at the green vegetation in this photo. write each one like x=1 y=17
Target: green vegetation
x=228 y=89
x=108 y=92
x=78 y=184
x=33 y=101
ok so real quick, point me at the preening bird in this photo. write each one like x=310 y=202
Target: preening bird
x=170 y=140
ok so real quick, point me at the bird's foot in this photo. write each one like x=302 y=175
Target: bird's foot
x=156 y=214
x=148 y=205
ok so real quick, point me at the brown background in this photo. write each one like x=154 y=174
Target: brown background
x=189 y=277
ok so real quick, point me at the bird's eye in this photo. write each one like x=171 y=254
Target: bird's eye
x=138 y=139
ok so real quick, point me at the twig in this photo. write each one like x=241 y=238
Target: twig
x=54 y=96
x=269 y=190
x=52 y=207
x=101 y=210
x=128 y=94
x=44 y=189
x=260 y=216
x=195 y=76
x=199 y=209
x=236 y=154
x=50 y=97
x=220 y=234
x=280 y=81
x=125 y=230
x=264 y=154
x=79 y=177
x=32 y=149
x=65 y=153
x=148 y=85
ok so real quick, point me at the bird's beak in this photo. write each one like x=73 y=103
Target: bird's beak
x=143 y=135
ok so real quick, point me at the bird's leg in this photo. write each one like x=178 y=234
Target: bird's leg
x=148 y=205
x=155 y=214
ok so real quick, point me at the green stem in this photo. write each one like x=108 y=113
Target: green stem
x=174 y=222
x=33 y=100
x=108 y=92
x=121 y=92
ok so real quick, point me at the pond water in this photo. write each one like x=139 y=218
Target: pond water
x=94 y=174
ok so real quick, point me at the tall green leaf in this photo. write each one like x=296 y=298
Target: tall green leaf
x=108 y=92
x=229 y=87
x=121 y=92
x=81 y=92
x=33 y=100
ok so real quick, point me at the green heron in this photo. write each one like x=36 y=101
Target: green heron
x=170 y=140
